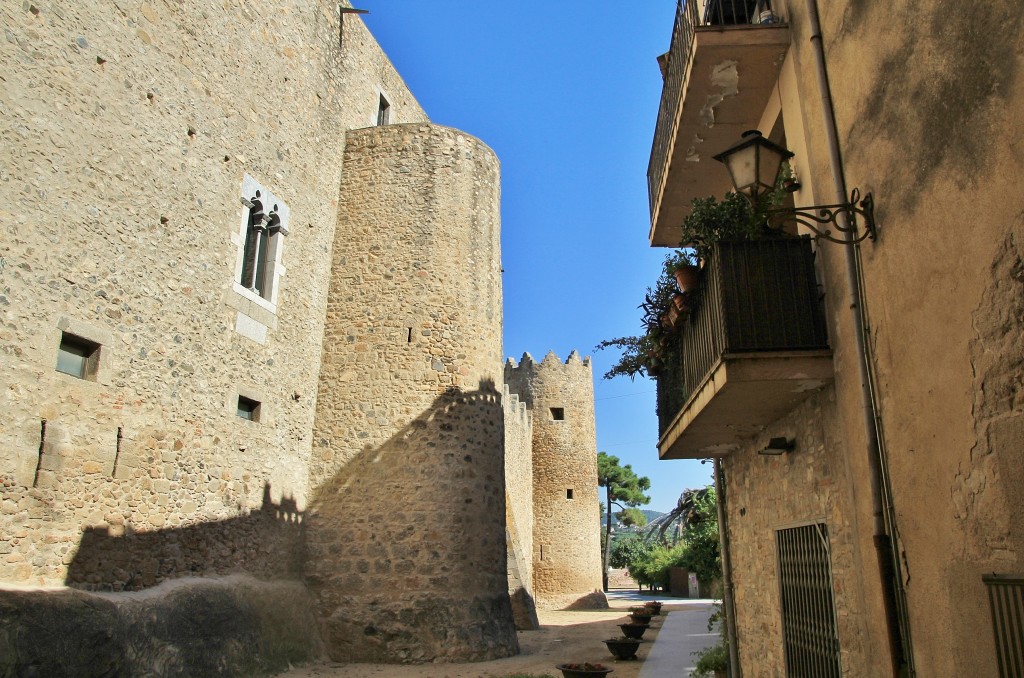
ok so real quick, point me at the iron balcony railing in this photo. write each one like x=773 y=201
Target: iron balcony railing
x=688 y=17
x=755 y=296
x=1006 y=600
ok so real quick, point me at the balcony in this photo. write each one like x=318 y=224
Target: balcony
x=719 y=74
x=754 y=347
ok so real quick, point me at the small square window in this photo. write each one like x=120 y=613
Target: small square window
x=77 y=356
x=248 y=408
x=568 y=493
x=558 y=413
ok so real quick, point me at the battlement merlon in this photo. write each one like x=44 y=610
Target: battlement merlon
x=550 y=359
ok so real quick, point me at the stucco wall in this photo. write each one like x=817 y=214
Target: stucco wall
x=929 y=121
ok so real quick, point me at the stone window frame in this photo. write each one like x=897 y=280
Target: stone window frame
x=273 y=226
x=102 y=370
x=252 y=394
x=384 y=110
x=242 y=408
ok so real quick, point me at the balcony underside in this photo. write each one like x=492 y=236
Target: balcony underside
x=730 y=80
x=752 y=388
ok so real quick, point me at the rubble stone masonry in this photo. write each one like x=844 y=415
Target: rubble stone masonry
x=566 y=535
x=406 y=531
x=338 y=428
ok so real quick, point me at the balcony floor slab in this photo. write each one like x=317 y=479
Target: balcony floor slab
x=740 y=397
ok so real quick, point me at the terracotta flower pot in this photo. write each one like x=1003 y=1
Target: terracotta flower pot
x=683 y=302
x=687 y=278
x=670 y=319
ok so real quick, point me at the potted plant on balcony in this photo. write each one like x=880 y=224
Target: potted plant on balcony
x=645 y=354
x=711 y=221
x=682 y=265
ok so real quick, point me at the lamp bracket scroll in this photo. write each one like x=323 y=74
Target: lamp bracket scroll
x=816 y=216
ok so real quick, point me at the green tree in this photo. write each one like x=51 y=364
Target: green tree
x=701 y=553
x=623 y=489
x=632 y=517
x=630 y=549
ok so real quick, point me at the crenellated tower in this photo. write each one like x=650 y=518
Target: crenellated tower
x=566 y=513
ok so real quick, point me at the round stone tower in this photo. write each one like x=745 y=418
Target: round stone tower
x=566 y=512
x=406 y=528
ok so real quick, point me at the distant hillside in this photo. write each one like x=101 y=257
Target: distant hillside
x=651 y=515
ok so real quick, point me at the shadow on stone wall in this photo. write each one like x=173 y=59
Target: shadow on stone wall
x=266 y=543
x=406 y=550
x=403 y=553
x=226 y=626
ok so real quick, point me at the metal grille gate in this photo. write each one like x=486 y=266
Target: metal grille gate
x=1006 y=598
x=808 y=611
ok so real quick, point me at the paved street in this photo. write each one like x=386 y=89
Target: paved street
x=683 y=632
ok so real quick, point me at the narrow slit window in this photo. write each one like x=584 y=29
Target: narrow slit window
x=558 y=413
x=568 y=493
x=77 y=356
x=248 y=408
x=383 y=111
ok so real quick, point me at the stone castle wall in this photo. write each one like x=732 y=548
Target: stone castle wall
x=128 y=130
x=406 y=529
x=373 y=466
x=519 y=508
x=566 y=513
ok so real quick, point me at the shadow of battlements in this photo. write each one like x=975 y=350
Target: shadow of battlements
x=265 y=543
x=406 y=549
x=403 y=546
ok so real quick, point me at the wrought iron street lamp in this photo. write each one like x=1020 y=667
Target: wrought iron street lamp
x=754 y=164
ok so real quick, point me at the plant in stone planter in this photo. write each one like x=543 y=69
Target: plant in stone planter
x=634 y=630
x=583 y=670
x=654 y=606
x=640 y=616
x=623 y=648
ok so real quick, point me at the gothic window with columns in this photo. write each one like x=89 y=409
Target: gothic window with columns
x=261 y=242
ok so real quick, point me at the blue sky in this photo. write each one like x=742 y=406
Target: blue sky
x=566 y=93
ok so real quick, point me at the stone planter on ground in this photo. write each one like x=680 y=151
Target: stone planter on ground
x=623 y=648
x=586 y=670
x=633 y=630
x=640 y=615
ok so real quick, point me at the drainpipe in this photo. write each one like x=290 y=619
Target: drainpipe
x=887 y=567
x=723 y=539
